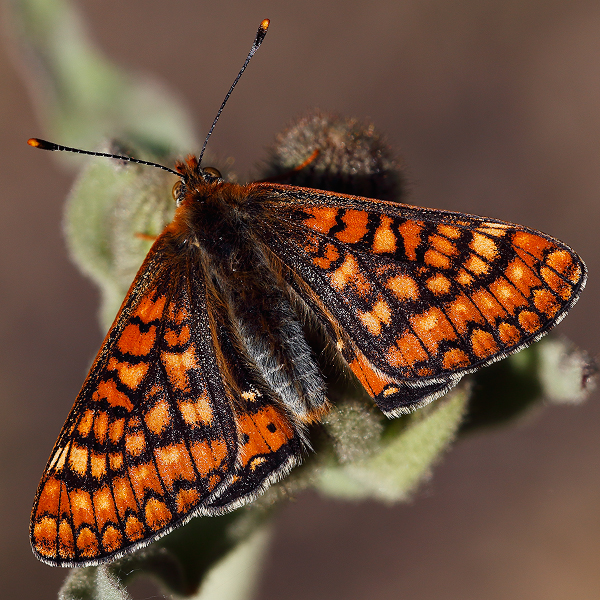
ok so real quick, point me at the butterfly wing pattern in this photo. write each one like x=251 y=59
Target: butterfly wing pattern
x=416 y=298
x=204 y=386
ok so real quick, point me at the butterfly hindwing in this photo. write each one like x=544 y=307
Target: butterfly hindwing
x=416 y=298
x=262 y=387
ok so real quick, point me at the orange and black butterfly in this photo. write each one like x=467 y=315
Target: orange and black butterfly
x=203 y=389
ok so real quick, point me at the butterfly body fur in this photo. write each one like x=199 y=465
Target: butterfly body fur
x=201 y=393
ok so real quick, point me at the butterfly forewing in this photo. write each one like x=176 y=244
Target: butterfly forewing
x=416 y=298
x=152 y=434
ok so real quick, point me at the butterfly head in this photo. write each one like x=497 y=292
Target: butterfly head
x=194 y=178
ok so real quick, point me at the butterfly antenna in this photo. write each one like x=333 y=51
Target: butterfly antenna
x=44 y=145
x=260 y=36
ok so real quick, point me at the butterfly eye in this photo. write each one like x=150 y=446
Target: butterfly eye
x=212 y=172
x=176 y=191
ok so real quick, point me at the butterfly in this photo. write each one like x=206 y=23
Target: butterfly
x=206 y=383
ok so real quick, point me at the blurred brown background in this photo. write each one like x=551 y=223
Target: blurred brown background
x=495 y=107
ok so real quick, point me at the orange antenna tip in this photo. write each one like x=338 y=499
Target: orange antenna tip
x=265 y=24
x=42 y=144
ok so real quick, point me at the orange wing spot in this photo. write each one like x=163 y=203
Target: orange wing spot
x=174 y=463
x=522 y=276
x=219 y=450
x=529 y=321
x=558 y=285
x=134 y=529
x=158 y=417
x=78 y=459
x=465 y=279
x=509 y=334
x=149 y=310
x=258 y=428
x=135 y=443
x=507 y=294
x=197 y=413
x=346 y=272
x=98 y=462
x=105 y=507
x=484 y=246
x=107 y=390
x=382 y=311
x=483 y=343
x=322 y=220
x=449 y=231
x=455 y=359
x=432 y=327
x=112 y=539
x=411 y=235
x=44 y=535
x=186 y=499
x=87 y=543
x=144 y=477
x=373 y=381
x=130 y=375
x=178 y=339
x=85 y=425
x=438 y=284
x=562 y=261
x=100 y=426
x=116 y=430
x=373 y=320
x=546 y=302
x=442 y=245
x=390 y=391
x=403 y=287
x=356 y=226
x=331 y=255
x=476 y=265
x=408 y=351
x=461 y=312
x=124 y=498
x=116 y=461
x=177 y=364
x=533 y=244
x=48 y=500
x=349 y=272
x=81 y=508
x=436 y=259
x=384 y=239
x=133 y=341
x=208 y=456
x=66 y=542
x=157 y=514
x=488 y=305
